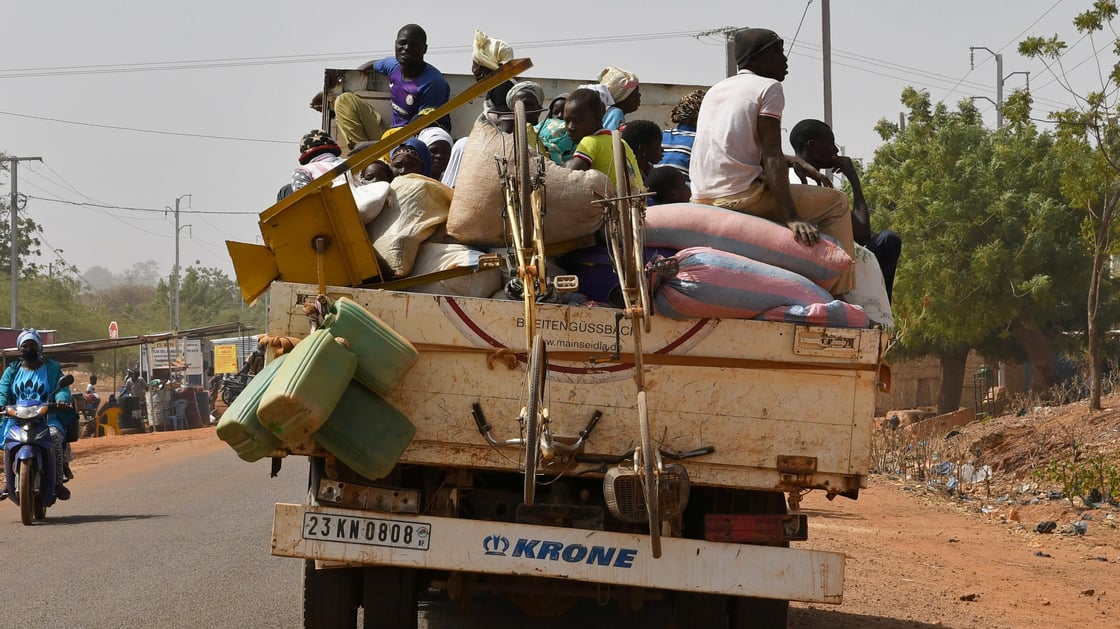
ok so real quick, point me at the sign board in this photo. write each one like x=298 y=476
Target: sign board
x=113 y=332
x=225 y=359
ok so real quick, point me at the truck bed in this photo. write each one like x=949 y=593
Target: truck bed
x=785 y=406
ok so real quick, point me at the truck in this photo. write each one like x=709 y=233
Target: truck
x=748 y=416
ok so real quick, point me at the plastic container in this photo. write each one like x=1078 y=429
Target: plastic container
x=384 y=356
x=306 y=388
x=366 y=433
x=239 y=426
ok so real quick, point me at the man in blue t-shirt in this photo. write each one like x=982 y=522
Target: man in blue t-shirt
x=414 y=85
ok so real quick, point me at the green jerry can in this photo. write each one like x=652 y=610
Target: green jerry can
x=239 y=426
x=366 y=433
x=383 y=355
x=307 y=387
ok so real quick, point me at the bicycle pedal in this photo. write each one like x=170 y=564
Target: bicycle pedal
x=565 y=283
x=491 y=261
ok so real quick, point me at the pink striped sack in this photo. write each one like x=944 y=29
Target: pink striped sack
x=712 y=283
x=682 y=225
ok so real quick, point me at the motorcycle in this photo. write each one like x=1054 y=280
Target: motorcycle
x=233 y=385
x=88 y=406
x=29 y=461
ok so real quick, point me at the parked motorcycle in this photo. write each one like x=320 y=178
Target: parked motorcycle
x=29 y=462
x=233 y=385
x=87 y=407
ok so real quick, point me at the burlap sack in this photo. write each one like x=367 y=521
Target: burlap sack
x=476 y=208
x=417 y=206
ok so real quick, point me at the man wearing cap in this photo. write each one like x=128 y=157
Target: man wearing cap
x=33 y=377
x=318 y=154
x=737 y=160
x=414 y=84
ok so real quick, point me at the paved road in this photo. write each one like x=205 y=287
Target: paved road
x=174 y=538
x=180 y=538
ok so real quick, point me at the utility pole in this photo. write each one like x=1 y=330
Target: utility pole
x=13 y=166
x=826 y=57
x=173 y=297
x=1000 y=79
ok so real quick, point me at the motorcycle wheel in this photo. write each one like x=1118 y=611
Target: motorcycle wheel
x=27 y=491
x=40 y=506
x=228 y=396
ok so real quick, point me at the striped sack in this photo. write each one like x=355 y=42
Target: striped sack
x=682 y=225
x=711 y=283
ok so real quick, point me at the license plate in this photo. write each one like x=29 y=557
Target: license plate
x=368 y=531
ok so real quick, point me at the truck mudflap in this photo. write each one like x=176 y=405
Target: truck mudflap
x=437 y=543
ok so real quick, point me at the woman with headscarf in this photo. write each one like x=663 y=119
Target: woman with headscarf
x=33 y=377
x=411 y=157
x=624 y=91
x=439 y=143
x=488 y=54
x=676 y=143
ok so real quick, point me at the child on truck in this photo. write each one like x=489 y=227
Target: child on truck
x=584 y=115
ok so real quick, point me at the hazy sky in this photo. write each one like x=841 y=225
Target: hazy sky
x=246 y=70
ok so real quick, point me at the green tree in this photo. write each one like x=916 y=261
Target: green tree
x=1089 y=134
x=208 y=296
x=984 y=227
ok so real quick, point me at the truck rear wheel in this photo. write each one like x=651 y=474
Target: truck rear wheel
x=696 y=609
x=389 y=599
x=760 y=613
x=330 y=597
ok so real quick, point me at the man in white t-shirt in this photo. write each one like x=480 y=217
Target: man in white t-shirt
x=737 y=160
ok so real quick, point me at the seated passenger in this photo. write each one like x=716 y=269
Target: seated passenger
x=439 y=144
x=414 y=85
x=737 y=160
x=668 y=185
x=488 y=54
x=553 y=134
x=624 y=92
x=644 y=138
x=357 y=119
x=676 y=143
x=411 y=158
x=318 y=154
x=377 y=171
x=814 y=142
x=594 y=149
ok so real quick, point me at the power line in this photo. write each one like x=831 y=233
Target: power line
x=137 y=130
x=140 y=209
x=230 y=62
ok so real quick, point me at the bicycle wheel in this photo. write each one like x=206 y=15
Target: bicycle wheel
x=536 y=375
x=632 y=233
x=650 y=477
x=522 y=181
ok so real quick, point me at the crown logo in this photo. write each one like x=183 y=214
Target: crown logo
x=495 y=545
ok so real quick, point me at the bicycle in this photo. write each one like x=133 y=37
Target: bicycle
x=524 y=191
x=623 y=225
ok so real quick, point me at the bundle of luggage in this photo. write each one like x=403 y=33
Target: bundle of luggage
x=329 y=388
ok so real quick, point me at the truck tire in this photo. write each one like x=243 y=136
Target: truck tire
x=389 y=598
x=330 y=597
x=758 y=613
x=696 y=609
x=762 y=613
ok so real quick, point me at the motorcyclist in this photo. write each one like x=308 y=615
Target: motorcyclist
x=33 y=377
